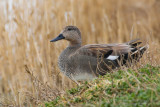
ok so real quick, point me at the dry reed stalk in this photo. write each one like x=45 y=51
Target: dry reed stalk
x=27 y=26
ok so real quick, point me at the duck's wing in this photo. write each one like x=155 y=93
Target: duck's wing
x=107 y=51
x=112 y=51
x=95 y=50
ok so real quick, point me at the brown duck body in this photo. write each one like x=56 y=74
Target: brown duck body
x=88 y=61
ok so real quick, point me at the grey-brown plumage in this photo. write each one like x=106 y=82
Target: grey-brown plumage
x=87 y=62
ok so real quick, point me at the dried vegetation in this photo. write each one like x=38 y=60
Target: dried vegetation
x=28 y=61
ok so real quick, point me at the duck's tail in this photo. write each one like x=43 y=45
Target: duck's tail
x=138 y=48
x=134 y=42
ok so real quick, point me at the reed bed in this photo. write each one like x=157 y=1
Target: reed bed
x=29 y=74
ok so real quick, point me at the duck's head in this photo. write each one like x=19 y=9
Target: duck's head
x=70 y=33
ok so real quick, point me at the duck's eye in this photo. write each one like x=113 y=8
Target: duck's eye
x=69 y=29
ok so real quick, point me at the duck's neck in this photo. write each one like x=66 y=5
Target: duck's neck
x=74 y=44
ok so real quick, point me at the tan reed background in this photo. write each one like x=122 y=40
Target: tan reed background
x=28 y=61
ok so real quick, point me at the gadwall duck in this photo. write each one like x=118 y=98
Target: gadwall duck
x=89 y=61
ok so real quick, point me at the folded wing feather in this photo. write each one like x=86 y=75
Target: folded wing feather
x=109 y=51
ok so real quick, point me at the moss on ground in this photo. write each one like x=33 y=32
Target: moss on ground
x=131 y=88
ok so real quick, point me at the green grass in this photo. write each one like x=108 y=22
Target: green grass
x=131 y=88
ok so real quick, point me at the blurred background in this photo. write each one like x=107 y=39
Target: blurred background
x=29 y=74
